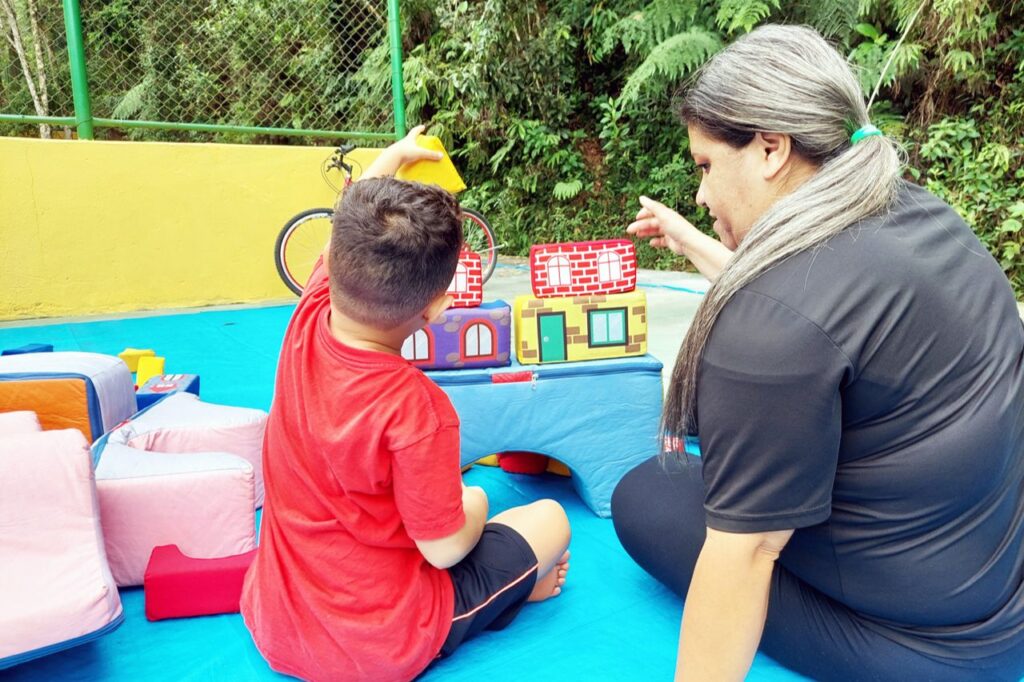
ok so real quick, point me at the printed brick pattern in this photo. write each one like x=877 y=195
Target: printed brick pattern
x=474 y=291
x=584 y=268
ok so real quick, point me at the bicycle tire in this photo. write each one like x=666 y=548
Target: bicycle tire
x=288 y=262
x=485 y=246
x=287 y=268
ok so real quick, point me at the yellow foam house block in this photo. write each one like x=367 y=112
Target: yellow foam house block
x=149 y=366
x=574 y=328
x=131 y=357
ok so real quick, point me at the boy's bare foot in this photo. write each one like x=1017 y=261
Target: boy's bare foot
x=550 y=584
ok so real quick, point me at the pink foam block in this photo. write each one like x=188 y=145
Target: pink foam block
x=179 y=586
x=55 y=585
x=202 y=502
x=17 y=423
x=182 y=422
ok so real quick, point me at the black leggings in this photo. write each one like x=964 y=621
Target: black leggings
x=659 y=517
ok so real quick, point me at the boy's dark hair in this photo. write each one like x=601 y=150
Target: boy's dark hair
x=394 y=248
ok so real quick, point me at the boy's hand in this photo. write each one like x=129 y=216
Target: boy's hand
x=400 y=153
x=407 y=151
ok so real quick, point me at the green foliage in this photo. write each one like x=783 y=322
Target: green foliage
x=559 y=112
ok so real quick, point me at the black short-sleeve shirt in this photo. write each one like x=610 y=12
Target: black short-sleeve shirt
x=870 y=393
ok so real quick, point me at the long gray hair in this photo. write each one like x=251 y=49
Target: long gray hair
x=781 y=79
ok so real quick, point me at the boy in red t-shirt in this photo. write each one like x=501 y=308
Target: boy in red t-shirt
x=374 y=559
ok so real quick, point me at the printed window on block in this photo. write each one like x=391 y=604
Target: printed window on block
x=460 y=283
x=607 y=327
x=417 y=346
x=478 y=341
x=559 y=273
x=609 y=266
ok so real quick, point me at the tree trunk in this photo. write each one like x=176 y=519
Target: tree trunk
x=14 y=37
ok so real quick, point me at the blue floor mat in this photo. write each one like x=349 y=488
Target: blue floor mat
x=612 y=622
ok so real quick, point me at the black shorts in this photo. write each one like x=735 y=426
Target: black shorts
x=491 y=584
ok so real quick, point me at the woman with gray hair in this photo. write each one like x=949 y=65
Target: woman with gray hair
x=855 y=375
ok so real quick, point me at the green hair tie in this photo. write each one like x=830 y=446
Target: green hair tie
x=864 y=131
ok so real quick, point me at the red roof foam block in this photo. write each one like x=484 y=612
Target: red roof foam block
x=467 y=287
x=178 y=586
x=583 y=268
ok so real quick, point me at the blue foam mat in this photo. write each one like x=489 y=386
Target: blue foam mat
x=613 y=622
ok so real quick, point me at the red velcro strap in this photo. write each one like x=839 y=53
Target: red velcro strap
x=511 y=378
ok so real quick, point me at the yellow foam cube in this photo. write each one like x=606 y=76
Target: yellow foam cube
x=131 y=357
x=441 y=173
x=149 y=366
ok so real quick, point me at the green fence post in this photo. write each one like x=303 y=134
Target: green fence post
x=397 y=84
x=79 y=77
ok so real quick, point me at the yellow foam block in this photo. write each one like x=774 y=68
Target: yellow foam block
x=441 y=173
x=131 y=357
x=149 y=366
x=556 y=467
x=488 y=461
x=572 y=328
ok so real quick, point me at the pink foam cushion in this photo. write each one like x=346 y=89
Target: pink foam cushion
x=183 y=423
x=202 y=502
x=17 y=423
x=55 y=583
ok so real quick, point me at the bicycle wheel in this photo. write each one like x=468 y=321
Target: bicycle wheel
x=299 y=244
x=478 y=236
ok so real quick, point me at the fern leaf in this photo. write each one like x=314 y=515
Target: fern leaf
x=564 y=191
x=131 y=102
x=670 y=60
x=746 y=14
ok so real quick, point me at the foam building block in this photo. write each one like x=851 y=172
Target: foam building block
x=467 y=287
x=182 y=423
x=16 y=423
x=57 y=590
x=29 y=348
x=599 y=418
x=583 y=268
x=441 y=173
x=148 y=367
x=580 y=328
x=465 y=337
x=131 y=357
x=85 y=391
x=162 y=385
x=204 y=502
x=179 y=586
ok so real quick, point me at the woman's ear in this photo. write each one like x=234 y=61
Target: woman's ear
x=775 y=151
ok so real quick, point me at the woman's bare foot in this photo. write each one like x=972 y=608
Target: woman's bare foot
x=550 y=584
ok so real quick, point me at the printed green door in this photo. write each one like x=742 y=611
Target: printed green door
x=552 y=337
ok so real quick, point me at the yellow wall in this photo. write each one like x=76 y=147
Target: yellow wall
x=95 y=227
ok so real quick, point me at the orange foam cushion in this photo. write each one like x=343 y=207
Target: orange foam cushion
x=59 y=403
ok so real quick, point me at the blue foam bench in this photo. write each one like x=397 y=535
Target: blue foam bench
x=600 y=418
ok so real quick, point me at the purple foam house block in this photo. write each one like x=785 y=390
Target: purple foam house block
x=464 y=338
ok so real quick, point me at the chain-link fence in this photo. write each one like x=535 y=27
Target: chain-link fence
x=225 y=70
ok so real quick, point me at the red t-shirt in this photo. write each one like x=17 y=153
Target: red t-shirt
x=361 y=455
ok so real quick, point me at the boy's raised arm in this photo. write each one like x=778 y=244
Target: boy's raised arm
x=447 y=551
x=391 y=159
x=400 y=153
